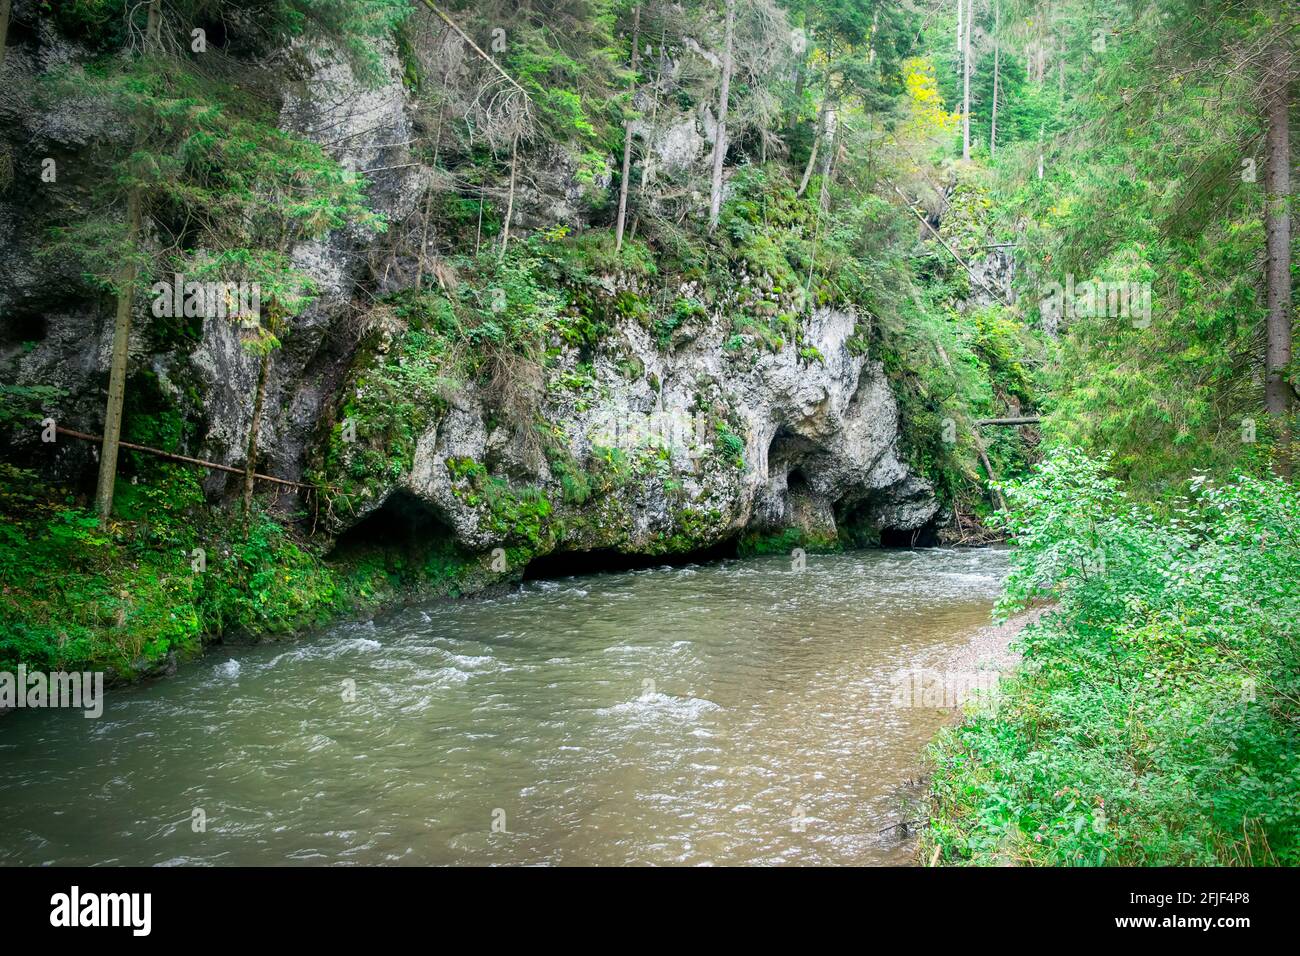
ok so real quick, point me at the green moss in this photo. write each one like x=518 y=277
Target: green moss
x=397 y=389
x=684 y=311
x=515 y=515
x=783 y=542
x=694 y=530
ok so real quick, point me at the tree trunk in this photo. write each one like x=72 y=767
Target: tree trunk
x=478 y=232
x=627 y=134
x=428 y=199
x=998 y=500
x=117 y=364
x=654 y=118
x=1277 y=389
x=510 y=203
x=4 y=28
x=153 y=28
x=254 y=429
x=800 y=78
x=828 y=156
x=117 y=367
x=997 y=74
x=965 y=96
x=812 y=155
x=720 y=134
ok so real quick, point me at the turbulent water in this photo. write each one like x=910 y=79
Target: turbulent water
x=740 y=712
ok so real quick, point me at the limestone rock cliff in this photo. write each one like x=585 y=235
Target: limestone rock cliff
x=688 y=446
x=699 y=443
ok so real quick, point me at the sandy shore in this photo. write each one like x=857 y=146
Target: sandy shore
x=988 y=648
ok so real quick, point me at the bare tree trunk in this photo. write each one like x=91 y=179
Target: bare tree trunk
x=654 y=116
x=259 y=399
x=1277 y=390
x=965 y=96
x=428 y=199
x=818 y=131
x=510 y=203
x=1040 y=49
x=627 y=134
x=720 y=134
x=828 y=156
x=800 y=77
x=254 y=429
x=998 y=500
x=424 y=240
x=4 y=28
x=812 y=155
x=997 y=75
x=478 y=232
x=117 y=367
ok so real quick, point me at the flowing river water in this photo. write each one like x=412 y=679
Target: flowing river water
x=730 y=713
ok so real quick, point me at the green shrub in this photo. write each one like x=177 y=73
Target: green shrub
x=1153 y=721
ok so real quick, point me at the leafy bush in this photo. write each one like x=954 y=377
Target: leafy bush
x=1153 y=719
x=169 y=577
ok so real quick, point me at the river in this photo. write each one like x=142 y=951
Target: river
x=740 y=712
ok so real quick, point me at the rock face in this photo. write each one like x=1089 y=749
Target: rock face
x=700 y=444
x=655 y=445
x=53 y=332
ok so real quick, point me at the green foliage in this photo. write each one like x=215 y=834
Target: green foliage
x=398 y=387
x=349 y=25
x=1150 y=189
x=683 y=312
x=24 y=405
x=1153 y=720
x=514 y=516
x=173 y=574
x=727 y=444
x=210 y=167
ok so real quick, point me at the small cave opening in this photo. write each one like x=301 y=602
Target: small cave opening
x=214 y=31
x=402 y=525
x=22 y=327
x=923 y=537
x=602 y=560
x=796 y=484
x=786 y=450
x=858 y=521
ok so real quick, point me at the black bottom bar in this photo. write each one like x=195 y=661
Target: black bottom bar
x=936 y=907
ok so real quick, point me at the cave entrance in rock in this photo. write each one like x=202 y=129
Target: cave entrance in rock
x=402 y=524
x=786 y=451
x=21 y=327
x=857 y=519
x=923 y=537
x=572 y=563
